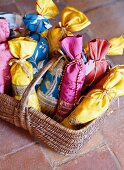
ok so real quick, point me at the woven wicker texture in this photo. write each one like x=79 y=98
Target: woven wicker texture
x=42 y=127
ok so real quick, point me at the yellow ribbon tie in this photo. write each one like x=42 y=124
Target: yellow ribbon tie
x=64 y=32
x=20 y=61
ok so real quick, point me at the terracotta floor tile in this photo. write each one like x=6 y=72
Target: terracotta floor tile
x=9 y=7
x=12 y=138
x=100 y=159
x=86 y=4
x=26 y=6
x=4 y=2
x=30 y=158
x=113 y=132
x=107 y=21
x=117 y=59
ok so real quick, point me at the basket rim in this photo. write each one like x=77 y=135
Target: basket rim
x=52 y=121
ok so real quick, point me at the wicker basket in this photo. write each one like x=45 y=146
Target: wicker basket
x=42 y=127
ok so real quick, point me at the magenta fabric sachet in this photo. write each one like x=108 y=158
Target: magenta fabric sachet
x=5 y=56
x=73 y=77
x=97 y=63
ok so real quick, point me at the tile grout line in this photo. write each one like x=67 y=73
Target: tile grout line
x=116 y=160
x=47 y=157
x=15 y=151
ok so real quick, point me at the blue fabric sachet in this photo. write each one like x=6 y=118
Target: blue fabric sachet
x=36 y=23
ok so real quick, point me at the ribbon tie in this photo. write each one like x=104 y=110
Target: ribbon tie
x=64 y=32
x=20 y=61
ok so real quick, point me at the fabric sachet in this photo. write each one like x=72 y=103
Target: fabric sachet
x=116 y=46
x=5 y=56
x=21 y=70
x=5 y=78
x=4 y=30
x=39 y=23
x=48 y=92
x=97 y=101
x=73 y=77
x=72 y=20
x=98 y=49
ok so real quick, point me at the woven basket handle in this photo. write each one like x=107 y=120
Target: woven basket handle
x=31 y=86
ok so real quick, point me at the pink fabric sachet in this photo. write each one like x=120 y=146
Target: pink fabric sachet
x=4 y=30
x=98 y=49
x=73 y=77
x=5 y=79
x=5 y=56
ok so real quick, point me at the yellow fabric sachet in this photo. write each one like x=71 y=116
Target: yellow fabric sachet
x=21 y=70
x=97 y=101
x=72 y=20
x=46 y=8
x=117 y=46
